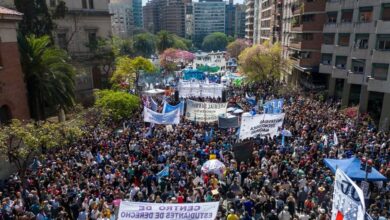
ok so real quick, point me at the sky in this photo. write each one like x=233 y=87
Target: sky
x=234 y=1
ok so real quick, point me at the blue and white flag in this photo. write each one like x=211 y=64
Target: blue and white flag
x=250 y=99
x=274 y=106
x=160 y=118
x=153 y=104
x=163 y=173
x=169 y=108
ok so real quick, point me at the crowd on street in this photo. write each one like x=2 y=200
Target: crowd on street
x=89 y=178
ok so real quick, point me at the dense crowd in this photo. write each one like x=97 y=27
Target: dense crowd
x=88 y=179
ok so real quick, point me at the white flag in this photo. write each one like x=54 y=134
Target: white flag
x=335 y=139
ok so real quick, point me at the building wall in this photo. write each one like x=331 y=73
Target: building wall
x=230 y=19
x=249 y=19
x=122 y=19
x=13 y=93
x=137 y=13
x=239 y=29
x=172 y=17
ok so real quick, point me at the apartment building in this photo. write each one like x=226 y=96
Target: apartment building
x=122 y=19
x=13 y=93
x=137 y=14
x=356 y=55
x=301 y=41
x=230 y=19
x=209 y=17
x=85 y=22
x=239 y=28
x=268 y=18
x=249 y=19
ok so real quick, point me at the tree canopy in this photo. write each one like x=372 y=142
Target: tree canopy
x=262 y=62
x=236 y=47
x=144 y=44
x=215 y=41
x=119 y=104
x=171 y=58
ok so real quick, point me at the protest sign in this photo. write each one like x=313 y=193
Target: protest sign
x=168 y=108
x=159 y=118
x=183 y=211
x=204 y=111
x=348 y=199
x=274 y=106
x=196 y=89
x=228 y=122
x=263 y=125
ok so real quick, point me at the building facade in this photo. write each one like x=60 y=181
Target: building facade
x=122 y=19
x=230 y=19
x=249 y=19
x=301 y=41
x=85 y=22
x=268 y=21
x=239 y=28
x=209 y=17
x=151 y=20
x=13 y=93
x=355 y=54
x=137 y=14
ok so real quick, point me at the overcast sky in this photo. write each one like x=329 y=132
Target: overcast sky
x=235 y=1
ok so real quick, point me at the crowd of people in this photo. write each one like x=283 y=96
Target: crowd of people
x=89 y=178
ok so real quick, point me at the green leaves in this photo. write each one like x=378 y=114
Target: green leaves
x=215 y=41
x=119 y=104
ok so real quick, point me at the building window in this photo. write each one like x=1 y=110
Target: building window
x=91 y=5
x=92 y=40
x=308 y=18
x=61 y=40
x=346 y=16
x=326 y=58
x=357 y=66
x=52 y=3
x=361 y=41
x=307 y=36
x=379 y=71
x=385 y=12
x=365 y=14
x=329 y=39
x=383 y=42
x=84 y=4
x=343 y=40
x=341 y=62
x=331 y=17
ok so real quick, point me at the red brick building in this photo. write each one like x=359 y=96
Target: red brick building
x=13 y=93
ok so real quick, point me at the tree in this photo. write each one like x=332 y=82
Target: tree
x=48 y=74
x=262 y=62
x=127 y=71
x=165 y=40
x=171 y=58
x=144 y=44
x=36 y=17
x=119 y=104
x=236 y=47
x=215 y=41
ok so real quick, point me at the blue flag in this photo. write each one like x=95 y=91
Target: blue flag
x=274 y=106
x=164 y=172
x=250 y=99
x=153 y=104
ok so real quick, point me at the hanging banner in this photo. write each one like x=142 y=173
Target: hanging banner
x=204 y=111
x=274 y=106
x=263 y=125
x=228 y=122
x=159 y=118
x=348 y=199
x=169 y=108
x=196 y=89
x=183 y=211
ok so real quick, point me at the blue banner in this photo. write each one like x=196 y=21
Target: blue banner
x=159 y=118
x=274 y=106
x=169 y=108
x=153 y=104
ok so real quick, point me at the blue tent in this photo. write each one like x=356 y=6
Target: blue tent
x=194 y=74
x=351 y=167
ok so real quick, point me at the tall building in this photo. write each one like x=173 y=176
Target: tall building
x=189 y=21
x=355 y=54
x=13 y=94
x=151 y=16
x=239 y=29
x=122 y=19
x=267 y=21
x=230 y=19
x=84 y=23
x=137 y=14
x=209 y=17
x=301 y=40
x=249 y=19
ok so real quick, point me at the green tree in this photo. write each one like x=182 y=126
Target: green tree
x=48 y=74
x=119 y=104
x=36 y=17
x=236 y=47
x=127 y=71
x=215 y=41
x=144 y=44
x=262 y=62
x=165 y=40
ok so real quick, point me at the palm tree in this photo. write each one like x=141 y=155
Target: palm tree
x=165 y=40
x=48 y=74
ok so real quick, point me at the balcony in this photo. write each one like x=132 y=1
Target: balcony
x=378 y=85
x=380 y=56
x=340 y=73
x=326 y=68
x=356 y=78
x=383 y=27
x=327 y=48
x=357 y=53
x=330 y=28
x=295 y=43
x=345 y=27
x=332 y=5
x=340 y=50
x=364 y=27
x=365 y=3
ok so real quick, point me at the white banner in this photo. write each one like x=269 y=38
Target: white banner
x=348 y=199
x=263 y=125
x=195 y=89
x=183 y=211
x=204 y=111
x=169 y=118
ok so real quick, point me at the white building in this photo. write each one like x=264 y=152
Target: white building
x=122 y=20
x=210 y=59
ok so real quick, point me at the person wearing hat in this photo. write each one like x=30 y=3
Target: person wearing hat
x=232 y=215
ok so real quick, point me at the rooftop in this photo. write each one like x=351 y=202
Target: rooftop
x=6 y=11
